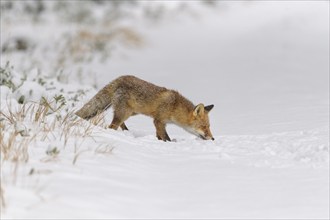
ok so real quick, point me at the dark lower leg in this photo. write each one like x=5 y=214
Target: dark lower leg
x=123 y=127
x=167 y=137
x=161 y=131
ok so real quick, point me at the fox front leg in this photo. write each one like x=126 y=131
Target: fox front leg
x=161 y=131
x=124 y=127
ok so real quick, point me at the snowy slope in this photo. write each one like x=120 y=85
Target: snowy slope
x=233 y=177
x=265 y=66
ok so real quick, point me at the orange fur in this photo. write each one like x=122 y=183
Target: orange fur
x=130 y=95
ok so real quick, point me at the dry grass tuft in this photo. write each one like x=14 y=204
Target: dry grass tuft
x=104 y=149
x=25 y=125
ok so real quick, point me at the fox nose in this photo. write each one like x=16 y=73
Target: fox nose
x=212 y=139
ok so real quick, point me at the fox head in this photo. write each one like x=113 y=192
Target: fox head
x=200 y=124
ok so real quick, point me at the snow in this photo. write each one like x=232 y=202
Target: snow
x=264 y=65
x=184 y=179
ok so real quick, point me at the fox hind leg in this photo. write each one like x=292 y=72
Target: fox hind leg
x=116 y=122
x=118 y=119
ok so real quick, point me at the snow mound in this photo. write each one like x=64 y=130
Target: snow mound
x=309 y=148
x=278 y=150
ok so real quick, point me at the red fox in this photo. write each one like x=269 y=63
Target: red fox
x=130 y=95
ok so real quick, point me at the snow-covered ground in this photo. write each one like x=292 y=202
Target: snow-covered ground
x=265 y=67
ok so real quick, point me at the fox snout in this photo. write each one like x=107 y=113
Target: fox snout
x=206 y=137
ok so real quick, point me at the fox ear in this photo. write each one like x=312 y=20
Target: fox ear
x=199 y=110
x=208 y=108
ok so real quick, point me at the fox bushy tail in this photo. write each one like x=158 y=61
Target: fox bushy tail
x=99 y=103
